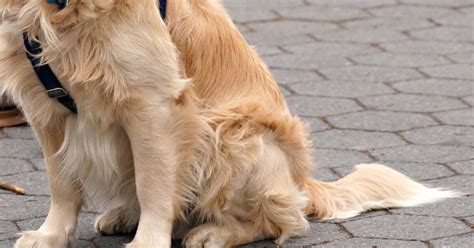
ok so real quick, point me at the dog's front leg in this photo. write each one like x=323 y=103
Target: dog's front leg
x=154 y=153
x=66 y=199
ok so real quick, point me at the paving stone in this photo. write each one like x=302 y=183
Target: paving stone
x=420 y=153
x=113 y=242
x=337 y=158
x=249 y=12
x=322 y=13
x=441 y=135
x=39 y=163
x=457 y=117
x=431 y=47
x=370 y=242
x=420 y=228
x=464 y=167
x=284 y=76
x=8 y=230
x=436 y=87
x=390 y=23
x=325 y=49
x=457 y=207
x=35 y=183
x=417 y=171
x=318 y=106
x=400 y=60
x=468 y=10
x=21 y=132
x=445 y=34
x=319 y=233
x=355 y=140
x=470 y=220
x=370 y=73
x=82 y=244
x=469 y=100
x=363 y=36
x=275 y=39
x=353 y=3
x=410 y=11
x=10 y=166
x=466 y=57
x=446 y=3
x=315 y=124
x=243 y=28
x=293 y=27
x=261 y=4
x=462 y=183
x=457 y=71
x=16 y=148
x=285 y=92
x=2 y=134
x=8 y=243
x=411 y=103
x=324 y=174
x=361 y=216
x=455 y=20
x=265 y=51
x=305 y=61
x=340 y=89
x=464 y=241
x=15 y=207
x=381 y=121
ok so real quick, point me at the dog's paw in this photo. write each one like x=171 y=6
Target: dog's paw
x=206 y=236
x=116 y=221
x=39 y=239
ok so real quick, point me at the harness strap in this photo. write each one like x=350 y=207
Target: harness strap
x=45 y=74
x=163 y=7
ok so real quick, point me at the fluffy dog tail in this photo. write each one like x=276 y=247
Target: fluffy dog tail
x=370 y=186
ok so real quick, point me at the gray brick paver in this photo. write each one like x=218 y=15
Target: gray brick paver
x=8 y=230
x=463 y=167
x=434 y=86
x=418 y=171
x=288 y=76
x=321 y=106
x=412 y=103
x=420 y=227
x=400 y=60
x=370 y=242
x=332 y=56
x=381 y=121
x=355 y=140
x=340 y=89
x=463 y=241
x=9 y=166
x=423 y=153
x=441 y=135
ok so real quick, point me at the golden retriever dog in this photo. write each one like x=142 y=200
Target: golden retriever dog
x=218 y=160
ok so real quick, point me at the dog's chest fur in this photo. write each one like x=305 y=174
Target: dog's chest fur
x=99 y=158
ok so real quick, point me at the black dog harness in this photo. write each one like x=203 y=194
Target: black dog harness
x=45 y=74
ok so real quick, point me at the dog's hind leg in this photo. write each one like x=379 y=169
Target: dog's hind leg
x=120 y=220
x=211 y=235
x=66 y=198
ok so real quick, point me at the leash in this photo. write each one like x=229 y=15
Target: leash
x=45 y=74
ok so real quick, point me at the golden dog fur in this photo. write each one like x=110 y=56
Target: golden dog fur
x=220 y=159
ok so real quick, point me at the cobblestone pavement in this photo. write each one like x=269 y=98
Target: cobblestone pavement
x=379 y=80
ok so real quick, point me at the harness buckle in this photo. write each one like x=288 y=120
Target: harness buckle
x=57 y=93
